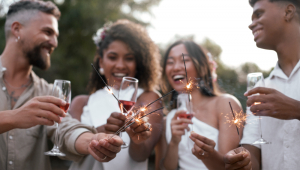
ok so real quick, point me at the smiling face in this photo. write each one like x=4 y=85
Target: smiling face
x=118 y=61
x=267 y=23
x=175 y=70
x=39 y=39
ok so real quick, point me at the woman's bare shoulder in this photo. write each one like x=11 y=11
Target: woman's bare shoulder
x=77 y=105
x=226 y=98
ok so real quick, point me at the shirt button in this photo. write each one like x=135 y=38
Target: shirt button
x=10 y=137
x=10 y=162
x=3 y=88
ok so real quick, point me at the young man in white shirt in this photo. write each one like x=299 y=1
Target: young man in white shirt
x=275 y=26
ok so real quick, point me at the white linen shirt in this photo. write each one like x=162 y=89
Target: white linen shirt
x=284 y=151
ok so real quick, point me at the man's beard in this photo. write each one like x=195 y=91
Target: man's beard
x=36 y=59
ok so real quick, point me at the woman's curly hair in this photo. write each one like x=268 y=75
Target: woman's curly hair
x=146 y=54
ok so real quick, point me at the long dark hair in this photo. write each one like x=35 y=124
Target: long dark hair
x=146 y=54
x=199 y=58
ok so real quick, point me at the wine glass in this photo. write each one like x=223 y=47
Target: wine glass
x=184 y=103
x=256 y=80
x=62 y=90
x=127 y=96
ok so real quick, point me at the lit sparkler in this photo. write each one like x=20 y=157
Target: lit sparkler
x=189 y=84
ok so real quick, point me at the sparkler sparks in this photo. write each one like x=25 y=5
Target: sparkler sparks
x=238 y=120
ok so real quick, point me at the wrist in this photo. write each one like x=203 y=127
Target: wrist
x=174 y=142
x=298 y=109
x=7 y=121
x=10 y=120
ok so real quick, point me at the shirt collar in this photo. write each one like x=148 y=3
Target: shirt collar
x=2 y=69
x=279 y=73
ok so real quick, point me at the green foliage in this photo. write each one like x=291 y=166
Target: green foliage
x=78 y=23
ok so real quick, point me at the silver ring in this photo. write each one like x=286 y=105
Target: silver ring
x=148 y=129
x=104 y=158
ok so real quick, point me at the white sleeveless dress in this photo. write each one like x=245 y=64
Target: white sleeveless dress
x=98 y=109
x=187 y=161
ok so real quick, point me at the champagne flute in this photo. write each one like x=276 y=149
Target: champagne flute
x=184 y=103
x=127 y=96
x=256 y=80
x=62 y=90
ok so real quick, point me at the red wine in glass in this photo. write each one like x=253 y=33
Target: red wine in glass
x=186 y=115
x=65 y=108
x=127 y=96
x=127 y=105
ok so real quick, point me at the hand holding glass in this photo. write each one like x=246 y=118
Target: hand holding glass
x=256 y=80
x=184 y=103
x=127 y=96
x=62 y=90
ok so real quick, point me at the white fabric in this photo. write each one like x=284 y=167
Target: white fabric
x=187 y=161
x=98 y=109
x=284 y=152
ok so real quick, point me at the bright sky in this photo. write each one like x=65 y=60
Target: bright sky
x=223 y=21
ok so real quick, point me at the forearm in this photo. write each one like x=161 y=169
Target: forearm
x=297 y=109
x=6 y=121
x=215 y=161
x=255 y=156
x=140 y=152
x=82 y=143
x=171 y=159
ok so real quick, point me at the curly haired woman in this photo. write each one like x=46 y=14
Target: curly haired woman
x=124 y=49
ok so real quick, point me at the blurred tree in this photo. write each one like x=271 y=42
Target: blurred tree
x=228 y=78
x=79 y=21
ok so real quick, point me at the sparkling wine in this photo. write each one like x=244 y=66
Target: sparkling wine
x=126 y=105
x=65 y=108
x=186 y=115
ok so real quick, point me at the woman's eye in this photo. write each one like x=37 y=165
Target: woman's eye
x=170 y=62
x=130 y=59
x=112 y=57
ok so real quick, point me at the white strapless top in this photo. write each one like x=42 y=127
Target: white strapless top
x=187 y=161
x=98 y=109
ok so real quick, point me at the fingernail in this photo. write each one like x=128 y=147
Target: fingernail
x=64 y=102
x=246 y=93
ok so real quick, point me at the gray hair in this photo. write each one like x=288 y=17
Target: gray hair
x=24 y=11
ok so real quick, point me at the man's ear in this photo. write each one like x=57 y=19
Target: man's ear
x=290 y=12
x=15 y=29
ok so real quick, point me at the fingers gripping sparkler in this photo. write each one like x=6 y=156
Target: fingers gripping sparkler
x=136 y=120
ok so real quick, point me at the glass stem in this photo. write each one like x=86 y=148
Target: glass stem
x=260 y=127
x=56 y=136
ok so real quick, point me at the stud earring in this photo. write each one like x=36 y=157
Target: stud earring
x=101 y=70
x=17 y=39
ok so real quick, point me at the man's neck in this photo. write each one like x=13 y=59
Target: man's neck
x=288 y=53
x=17 y=66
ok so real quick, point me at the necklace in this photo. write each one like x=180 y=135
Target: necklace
x=17 y=88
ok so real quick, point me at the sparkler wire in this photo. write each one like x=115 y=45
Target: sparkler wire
x=160 y=98
x=151 y=112
x=234 y=118
x=186 y=80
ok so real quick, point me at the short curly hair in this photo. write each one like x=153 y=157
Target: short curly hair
x=146 y=54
